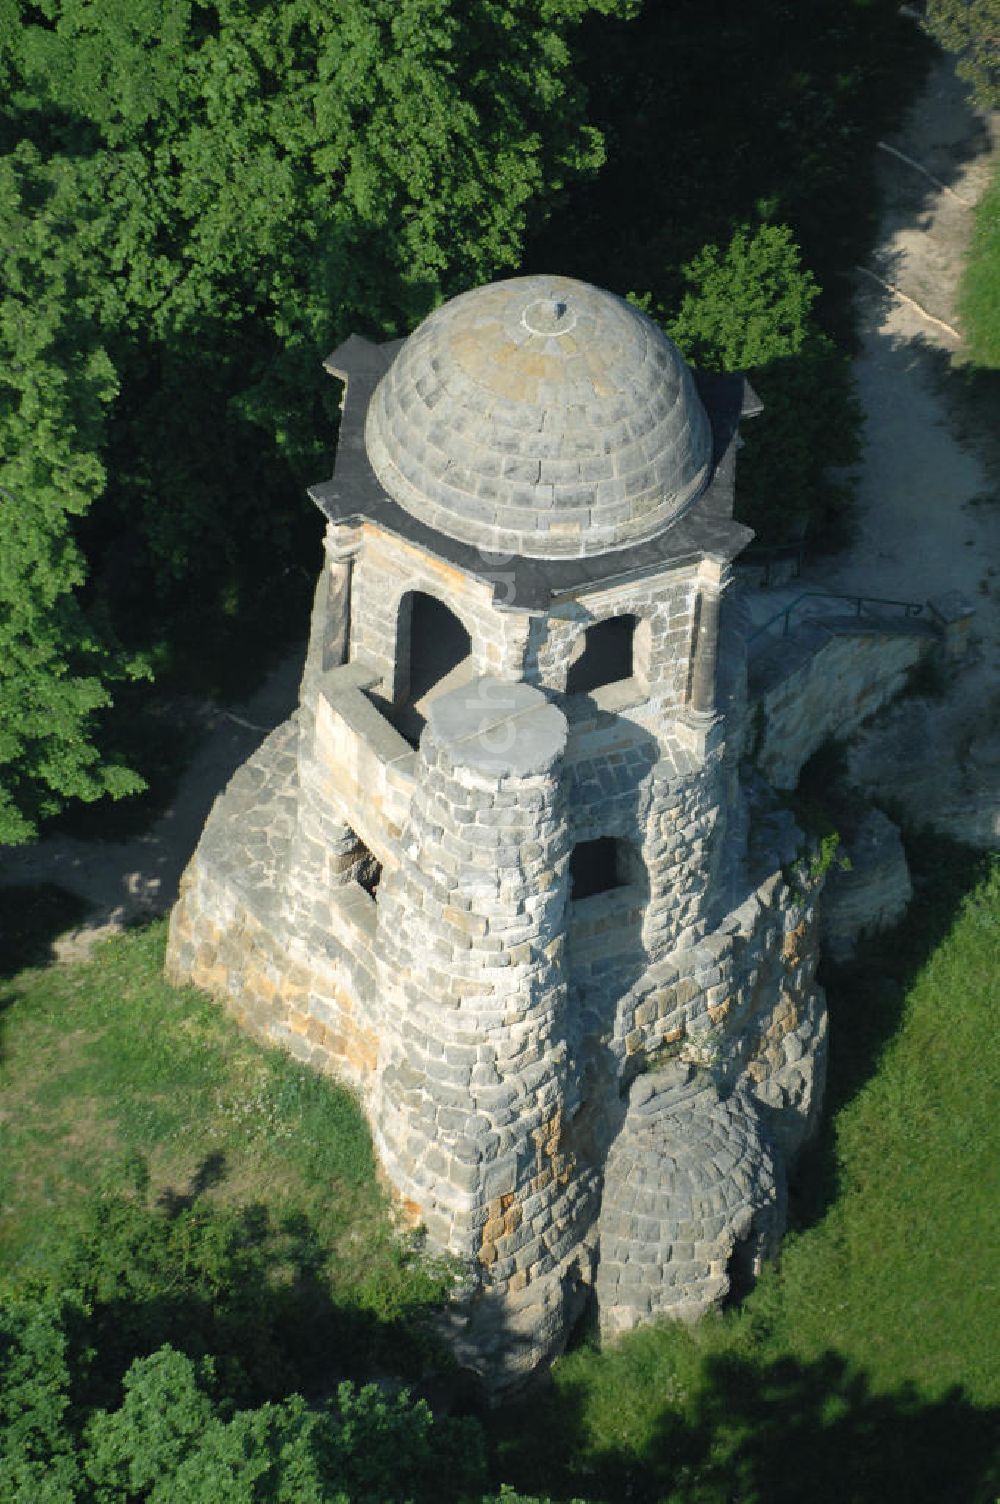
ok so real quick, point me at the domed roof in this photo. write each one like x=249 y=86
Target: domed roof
x=540 y=416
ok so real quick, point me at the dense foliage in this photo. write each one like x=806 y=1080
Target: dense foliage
x=164 y=1354
x=749 y=308
x=56 y=383
x=200 y=198
x=171 y=1437
x=972 y=29
x=197 y=201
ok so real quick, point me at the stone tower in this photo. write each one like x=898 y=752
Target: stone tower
x=498 y=871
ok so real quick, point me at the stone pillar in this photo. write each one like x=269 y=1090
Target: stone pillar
x=325 y=852
x=713 y=577
x=472 y=1086
x=329 y=622
x=953 y=615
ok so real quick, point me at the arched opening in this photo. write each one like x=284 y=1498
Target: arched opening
x=741 y=1271
x=433 y=654
x=608 y=655
x=602 y=865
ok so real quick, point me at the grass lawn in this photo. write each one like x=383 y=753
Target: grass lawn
x=863 y=1369
x=103 y=1061
x=980 y=293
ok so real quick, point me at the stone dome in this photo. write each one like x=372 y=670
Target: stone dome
x=540 y=416
x=689 y=1176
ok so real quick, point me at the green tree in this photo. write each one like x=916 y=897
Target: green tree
x=56 y=381
x=200 y=200
x=748 y=308
x=972 y=29
x=169 y=1441
x=38 y=1460
x=281 y=175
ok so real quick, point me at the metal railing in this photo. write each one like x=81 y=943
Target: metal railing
x=859 y=602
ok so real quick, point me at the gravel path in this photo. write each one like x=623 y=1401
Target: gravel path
x=928 y=508
x=128 y=880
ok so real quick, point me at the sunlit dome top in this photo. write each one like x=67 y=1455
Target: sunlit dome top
x=540 y=416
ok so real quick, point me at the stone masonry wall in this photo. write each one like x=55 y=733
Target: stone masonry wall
x=387 y=568
x=473 y=1079
x=725 y=1047
x=304 y=980
x=824 y=683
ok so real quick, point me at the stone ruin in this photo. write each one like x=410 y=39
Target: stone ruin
x=501 y=871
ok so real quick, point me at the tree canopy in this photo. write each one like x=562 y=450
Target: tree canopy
x=972 y=29
x=56 y=383
x=749 y=307
x=200 y=198
x=197 y=201
x=164 y=1356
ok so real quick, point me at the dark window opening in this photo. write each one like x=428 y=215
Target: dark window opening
x=366 y=869
x=602 y=865
x=741 y=1271
x=433 y=654
x=438 y=645
x=608 y=655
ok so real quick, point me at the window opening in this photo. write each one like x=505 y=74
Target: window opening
x=608 y=655
x=433 y=655
x=602 y=865
x=438 y=645
x=366 y=869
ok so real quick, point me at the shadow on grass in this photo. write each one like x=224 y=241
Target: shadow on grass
x=31 y=918
x=211 y=1172
x=252 y=1290
x=866 y=998
x=972 y=394
x=762 y=1433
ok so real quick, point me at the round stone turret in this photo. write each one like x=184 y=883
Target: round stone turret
x=540 y=416
x=693 y=1200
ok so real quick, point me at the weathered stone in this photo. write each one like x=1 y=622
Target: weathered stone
x=490 y=933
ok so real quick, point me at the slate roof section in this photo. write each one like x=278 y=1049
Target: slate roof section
x=705 y=527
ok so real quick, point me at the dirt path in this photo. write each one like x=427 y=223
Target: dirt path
x=126 y=880
x=928 y=508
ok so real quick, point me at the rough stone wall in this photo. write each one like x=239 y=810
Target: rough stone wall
x=825 y=682
x=870 y=894
x=363 y=767
x=742 y=999
x=665 y=608
x=724 y=1045
x=387 y=568
x=307 y=986
x=689 y=1178
x=473 y=1078
x=652 y=791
